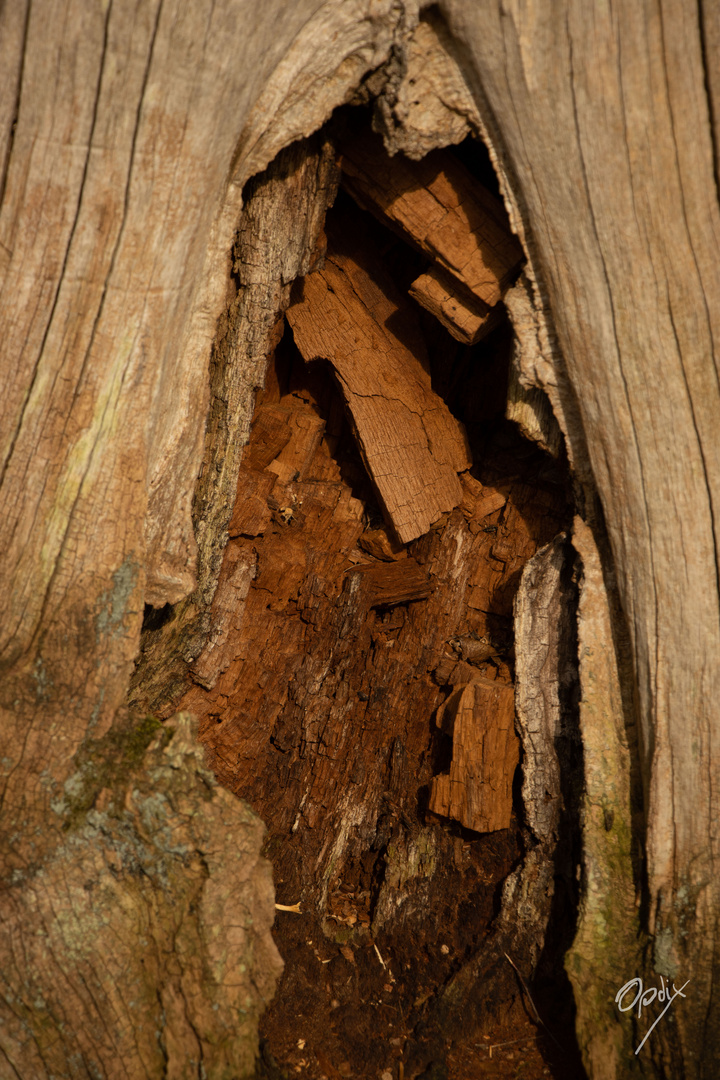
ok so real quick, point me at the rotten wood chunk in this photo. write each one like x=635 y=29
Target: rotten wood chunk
x=477 y=791
x=251 y=515
x=439 y=207
x=285 y=440
x=411 y=444
x=467 y=319
x=379 y=544
x=387 y=584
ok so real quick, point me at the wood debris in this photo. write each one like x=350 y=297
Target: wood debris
x=440 y=208
x=477 y=791
x=386 y=584
x=411 y=444
x=465 y=317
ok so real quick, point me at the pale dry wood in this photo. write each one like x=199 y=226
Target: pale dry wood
x=412 y=446
x=608 y=924
x=531 y=410
x=119 y=131
x=438 y=206
x=540 y=399
x=477 y=791
x=467 y=320
x=426 y=102
x=617 y=186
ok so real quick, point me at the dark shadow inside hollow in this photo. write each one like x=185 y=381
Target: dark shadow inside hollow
x=336 y=646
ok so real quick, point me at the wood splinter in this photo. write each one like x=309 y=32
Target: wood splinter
x=411 y=444
x=440 y=208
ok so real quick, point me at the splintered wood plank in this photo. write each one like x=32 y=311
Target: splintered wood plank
x=465 y=318
x=477 y=791
x=412 y=446
x=438 y=206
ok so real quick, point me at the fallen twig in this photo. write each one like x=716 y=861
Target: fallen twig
x=532 y=1003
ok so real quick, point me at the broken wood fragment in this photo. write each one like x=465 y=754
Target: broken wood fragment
x=411 y=444
x=251 y=515
x=477 y=791
x=387 y=584
x=464 y=317
x=287 y=435
x=379 y=544
x=437 y=205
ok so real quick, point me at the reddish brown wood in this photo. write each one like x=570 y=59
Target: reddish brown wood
x=440 y=208
x=389 y=583
x=477 y=790
x=465 y=317
x=412 y=446
x=339 y=658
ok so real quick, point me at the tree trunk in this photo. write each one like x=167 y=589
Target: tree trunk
x=134 y=257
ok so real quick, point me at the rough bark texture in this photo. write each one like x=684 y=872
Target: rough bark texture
x=127 y=133
x=616 y=186
x=607 y=948
x=140 y=946
x=277 y=239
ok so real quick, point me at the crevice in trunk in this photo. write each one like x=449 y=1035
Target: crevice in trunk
x=355 y=684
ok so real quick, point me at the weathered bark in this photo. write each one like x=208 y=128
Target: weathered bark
x=127 y=133
x=615 y=185
x=126 y=136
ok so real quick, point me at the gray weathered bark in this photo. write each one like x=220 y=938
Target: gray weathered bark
x=126 y=136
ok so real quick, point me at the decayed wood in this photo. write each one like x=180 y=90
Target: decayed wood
x=468 y=320
x=411 y=444
x=617 y=183
x=388 y=584
x=438 y=206
x=120 y=192
x=427 y=104
x=477 y=791
x=317 y=718
x=545 y=684
x=539 y=399
x=277 y=240
x=531 y=410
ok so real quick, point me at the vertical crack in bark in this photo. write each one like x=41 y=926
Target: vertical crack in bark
x=16 y=106
x=73 y=228
x=705 y=9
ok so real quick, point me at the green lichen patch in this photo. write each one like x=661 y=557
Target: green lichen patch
x=108 y=764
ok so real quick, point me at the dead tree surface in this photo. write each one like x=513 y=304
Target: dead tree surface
x=360 y=696
x=127 y=134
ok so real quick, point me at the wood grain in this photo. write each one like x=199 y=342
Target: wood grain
x=438 y=206
x=411 y=444
x=468 y=320
x=477 y=790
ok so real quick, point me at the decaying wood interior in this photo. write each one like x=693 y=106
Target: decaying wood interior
x=163 y=199
x=358 y=688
